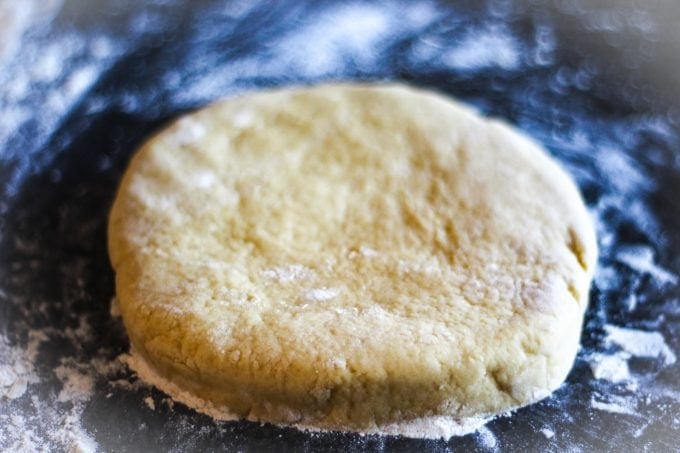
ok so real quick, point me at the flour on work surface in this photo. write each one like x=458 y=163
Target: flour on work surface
x=48 y=377
x=613 y=368
x=641 y=258
x=29 y=422
x=487 y=439
x=640 y=343
x=614 y=404
x=548 y=433
x=17 y=366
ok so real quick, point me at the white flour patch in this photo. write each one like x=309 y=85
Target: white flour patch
x=321 y=294
x=244 y=119
x=625 y=175
x=17 y=18
x=59 y=430
x=548 y=433
x=202 y=179
x=17 y=365
x=53 y=422
x=640 y=258
x=33 y=420
x=77 y=382
x=188 y=130
x=344 y=31
x=616 y=405
x=640 y=343
x=368 y=252
x=317 y=48
x=288 y=274
x=613 y=368
x=487 y=439
x=484 y=49
x=435 y=427
x=607 y=278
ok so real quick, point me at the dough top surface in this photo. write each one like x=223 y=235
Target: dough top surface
x=351 y=255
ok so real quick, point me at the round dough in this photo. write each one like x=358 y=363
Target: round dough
x=351 y=256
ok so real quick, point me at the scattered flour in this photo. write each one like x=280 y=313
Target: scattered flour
x=77 y=381
x=548 y=433
x=45 y=81
x=613 y=368
x=17 y=365
x=48 y=423
x=58 y=430
x=484 y=49
x=343 y=32
x=487 y=439
x=617 y=406
x=640 y=343
x=317 y=48
x=17 y=17
x=34 y=420
x=641 y=259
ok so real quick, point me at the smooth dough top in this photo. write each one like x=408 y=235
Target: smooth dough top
x=351 y=255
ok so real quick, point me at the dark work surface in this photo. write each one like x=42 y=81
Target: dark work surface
x=595 y=82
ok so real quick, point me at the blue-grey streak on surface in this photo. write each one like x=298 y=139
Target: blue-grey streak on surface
x=594 y=82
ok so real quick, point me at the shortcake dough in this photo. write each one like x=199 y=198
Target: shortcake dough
x=350 y=257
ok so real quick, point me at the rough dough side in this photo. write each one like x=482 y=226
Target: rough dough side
x=347 y=257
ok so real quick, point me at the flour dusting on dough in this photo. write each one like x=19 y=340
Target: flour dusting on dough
x=321 y=294
x=288 y=274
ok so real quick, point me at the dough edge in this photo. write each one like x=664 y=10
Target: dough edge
x=434 y=427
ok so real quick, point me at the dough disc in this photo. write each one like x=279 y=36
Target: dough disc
x=351 y=256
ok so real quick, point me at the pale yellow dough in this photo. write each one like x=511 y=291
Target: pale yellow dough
x=351 y=256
